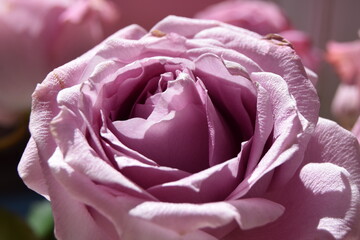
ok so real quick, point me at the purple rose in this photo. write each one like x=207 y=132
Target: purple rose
x=194 y=130
x=38 y=35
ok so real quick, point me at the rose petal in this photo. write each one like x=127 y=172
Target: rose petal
x=201 y=48
x=30 y=170
x=107 y=208
x=146 y=175
x=310 y=56
x=324 y=196
x=116 y=148
x=73 y=220
x=222 y=144
x=184 y=217
x=264 y=125
x=180 y=108
x=224 y=89
x=212 y=184
x=281 y=60
x=291 y=131
x=256 y=212
x=183 y=26
x=71 y=141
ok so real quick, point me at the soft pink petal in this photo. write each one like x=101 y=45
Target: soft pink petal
x=30 y=170
x=264 y=126
x=222 y=144
x=109 y=208
x=209 y=185
x=280 y=59
x=291 y=133
x=183 y=26
x=224 y=89
x=185 y=217
x=256 y=212
x=179 y=108
x=310 y=56
x=324 y=195
x=133 y=165
x=65 y=128
x=146 y=175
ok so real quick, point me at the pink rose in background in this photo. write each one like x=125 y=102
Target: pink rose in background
x=258 y=16
x=38 y=35
x=147 y=13
x=345 y=58
x=356 y=129
x=346 y=104
x=194 y=130
x=264 y=18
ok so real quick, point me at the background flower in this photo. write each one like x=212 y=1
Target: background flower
x=264 y=18
x=38 y=35
x=148 y=13
x=345 y=58
x=194 y=130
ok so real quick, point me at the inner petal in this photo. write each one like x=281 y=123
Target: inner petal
x=175 y=134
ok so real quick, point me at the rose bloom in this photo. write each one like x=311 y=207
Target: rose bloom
x=193 y=130
x=264 y=18
x=345 y=58
x=38 y=35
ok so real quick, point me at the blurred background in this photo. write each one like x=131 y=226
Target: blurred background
x=34 y=34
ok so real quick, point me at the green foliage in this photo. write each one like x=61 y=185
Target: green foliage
x=41 y=220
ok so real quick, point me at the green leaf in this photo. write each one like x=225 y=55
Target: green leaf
x=13 y=227
x=41 y=220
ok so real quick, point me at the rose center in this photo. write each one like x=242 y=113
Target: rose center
x=170 y=126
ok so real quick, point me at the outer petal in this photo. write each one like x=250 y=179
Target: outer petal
x=183 y=26
x=100 y=210
x=71 y=141
x=73 y=219
x=323 y=200
x=30 y=170
x=310 y=56
x=291 y=134
x=184 y=217
x=280 y=59
x=44 y=110
x=45 y=106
